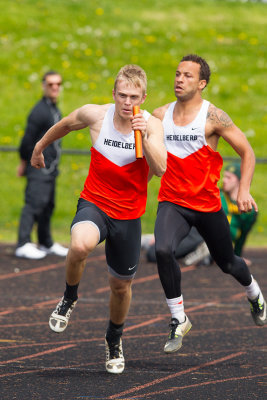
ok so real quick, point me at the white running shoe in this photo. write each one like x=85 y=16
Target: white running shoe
x=30 y=251
x=115 y=362
x=177 y=332
x=55 y=249
x=59 y=318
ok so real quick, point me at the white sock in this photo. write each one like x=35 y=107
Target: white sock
x=253 y=290
x=176 y=307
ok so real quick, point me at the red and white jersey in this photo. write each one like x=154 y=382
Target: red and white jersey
x=117 y=181
x=193 y=168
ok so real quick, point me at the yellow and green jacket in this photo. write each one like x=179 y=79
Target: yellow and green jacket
x=240 y=224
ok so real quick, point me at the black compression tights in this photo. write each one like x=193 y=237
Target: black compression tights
x=173 y=223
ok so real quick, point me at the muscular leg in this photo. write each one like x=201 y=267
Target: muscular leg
x=84 y=239
x=214 y=228
x=170 y=229
x=216 y=232
x=123 y=245
x=120 y=299
x=122 y=251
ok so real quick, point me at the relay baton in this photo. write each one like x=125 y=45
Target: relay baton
x=138 y=137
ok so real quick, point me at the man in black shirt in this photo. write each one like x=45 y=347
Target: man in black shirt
x=40 y=187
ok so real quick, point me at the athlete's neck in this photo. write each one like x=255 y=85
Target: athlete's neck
x=121 y=124
x=186 y=111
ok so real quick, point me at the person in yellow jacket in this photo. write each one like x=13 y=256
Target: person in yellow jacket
x=240 y=224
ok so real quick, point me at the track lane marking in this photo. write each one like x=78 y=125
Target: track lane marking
x=176 y=374
x=38 y=354
x=129 y=337
x=53 y=266
x=44 y=268
x=173 y=389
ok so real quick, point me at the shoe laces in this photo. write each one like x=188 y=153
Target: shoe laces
x=114 y=350
x=256 y=306
x=65 y=307
x=173 y=325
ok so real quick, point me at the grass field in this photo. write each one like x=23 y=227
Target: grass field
x=89 y=41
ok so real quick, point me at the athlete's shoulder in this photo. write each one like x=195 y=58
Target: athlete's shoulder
x=160 y=111
x=92 y=112
x=218 y=118
x=154 y=122
x=99 y=108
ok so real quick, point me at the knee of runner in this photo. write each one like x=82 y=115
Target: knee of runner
x=120 y=288
x=163 y=252
x=81 y=250
x=227 y=267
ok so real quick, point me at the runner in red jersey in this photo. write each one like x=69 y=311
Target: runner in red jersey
x=112 y=200
x=189 y=195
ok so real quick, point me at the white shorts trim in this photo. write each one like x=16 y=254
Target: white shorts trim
x=87 y=222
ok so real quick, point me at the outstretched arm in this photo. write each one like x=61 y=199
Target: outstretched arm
x=90 y=115
x=70 y=123
x=224 y=127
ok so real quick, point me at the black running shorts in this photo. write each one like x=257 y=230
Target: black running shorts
x=123 y=238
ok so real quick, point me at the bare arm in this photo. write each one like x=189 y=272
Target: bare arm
x=223 y=126
x=153 y=145
x=154 y=148
x=57 y=131
x=88 y=115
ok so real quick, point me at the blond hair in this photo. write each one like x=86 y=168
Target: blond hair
x=133 y=74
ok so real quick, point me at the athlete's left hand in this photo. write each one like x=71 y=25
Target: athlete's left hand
x=245 y=202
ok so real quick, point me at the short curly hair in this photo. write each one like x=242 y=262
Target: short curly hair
x=204 y=72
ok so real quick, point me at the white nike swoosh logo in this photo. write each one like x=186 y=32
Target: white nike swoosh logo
x=130 y=268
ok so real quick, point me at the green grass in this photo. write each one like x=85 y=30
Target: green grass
x=88 y=41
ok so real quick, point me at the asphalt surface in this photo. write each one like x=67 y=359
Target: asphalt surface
x=223 y=356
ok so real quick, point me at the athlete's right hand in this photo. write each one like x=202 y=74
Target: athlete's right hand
x=37 y=160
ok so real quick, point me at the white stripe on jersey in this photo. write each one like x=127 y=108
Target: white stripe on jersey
x=182 y=141
x=117 y=147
